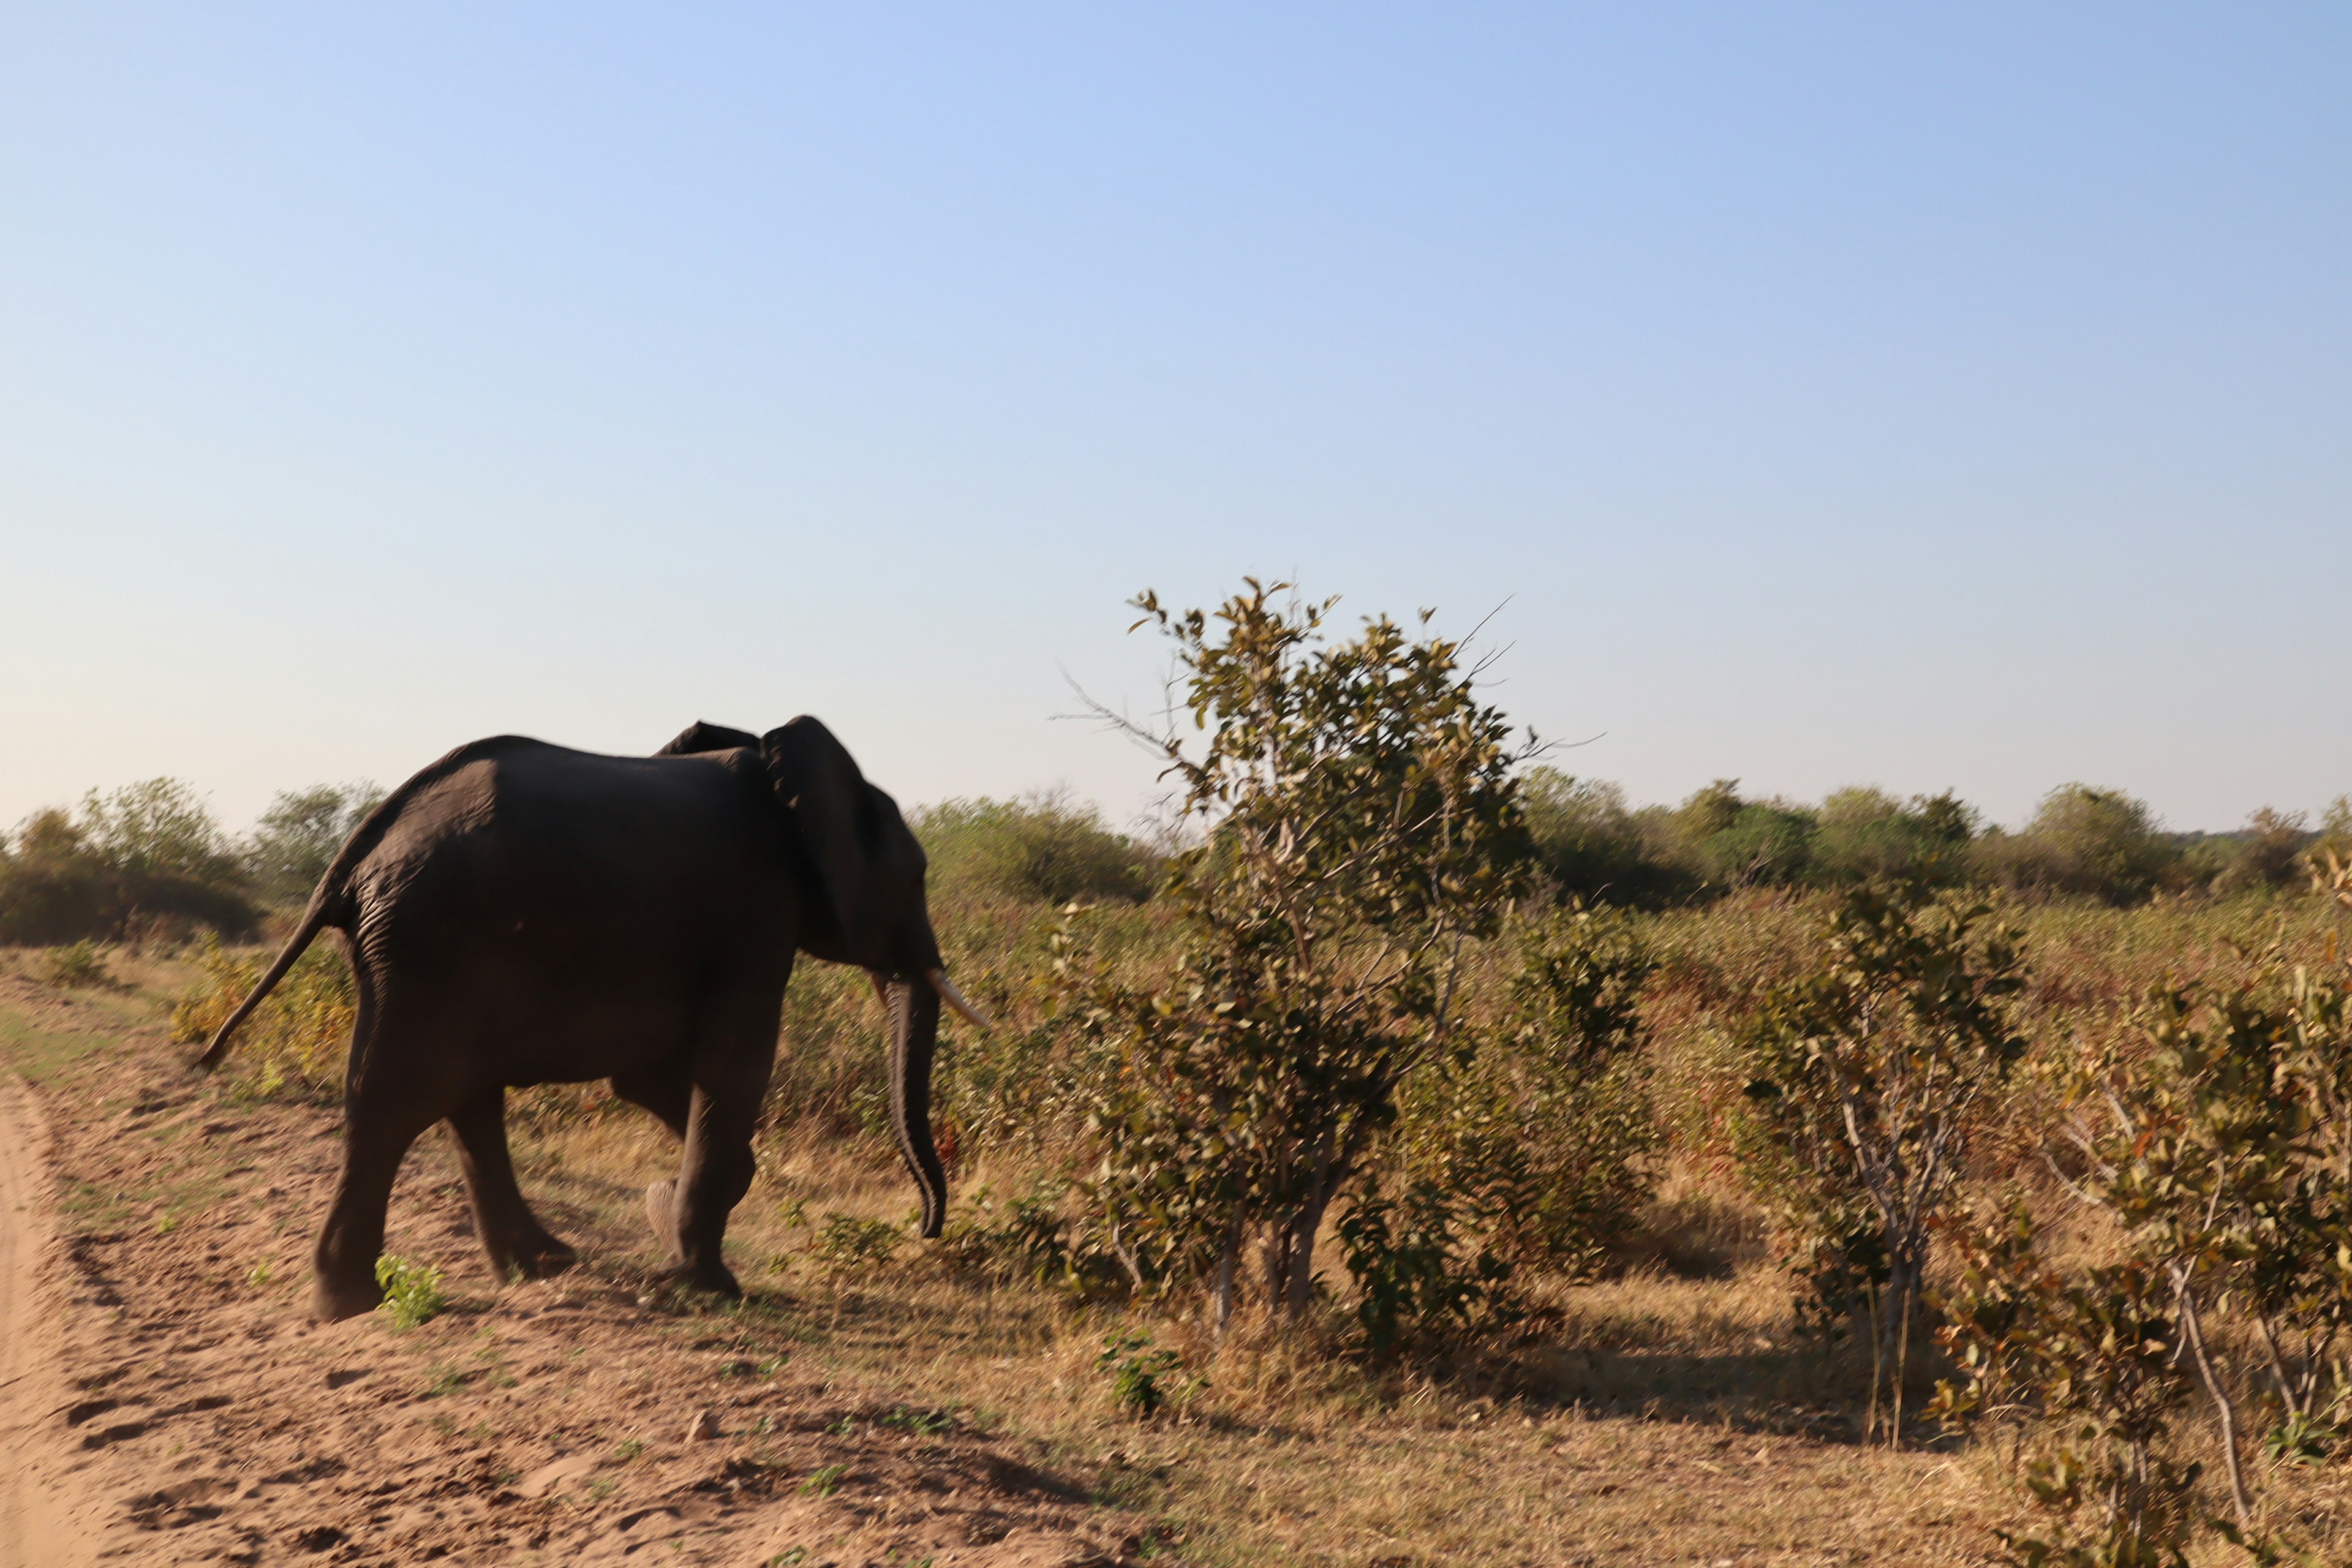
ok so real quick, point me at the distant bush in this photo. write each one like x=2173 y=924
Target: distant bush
x=2336 y=827
x=1594 y=849
x=2091 y=843
x=299 y=835
x=1768 y=844
x=1044 y=847
x=147 y=859
x=159 y=829
x=1867 y=834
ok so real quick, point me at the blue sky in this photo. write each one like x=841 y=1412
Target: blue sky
x=1923 y=397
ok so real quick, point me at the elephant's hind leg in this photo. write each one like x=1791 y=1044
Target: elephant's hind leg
x=517 y=1243
x=377 y=1132
x=668 y=1093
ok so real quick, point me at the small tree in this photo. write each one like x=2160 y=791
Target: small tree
x=2226 y=1153
x=2093 y=1357
x=1871 y=1070
x=159 y=827
x=299 y=835
x=1360 y=824
x=2219 y=1142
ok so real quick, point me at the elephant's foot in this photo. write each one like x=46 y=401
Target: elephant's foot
x=716 y=1278
x=538 y=1257
x=332 y=1300
x=661 y=1208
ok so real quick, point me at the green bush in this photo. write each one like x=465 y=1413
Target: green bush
x=848 y=1244
x=1140 y=1373
x=78 y=964
x=1537 y=1126
x=1870 y=1077
x=1040 y=848
x=1592 y=848
x=2218 y=1143
x=1767 y=844
x=412 y=1290
x=1866 y=835
x=1361 y=836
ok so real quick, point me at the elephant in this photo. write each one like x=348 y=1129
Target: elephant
x=521 y=913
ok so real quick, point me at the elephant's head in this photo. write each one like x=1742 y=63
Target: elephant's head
x=866 y=870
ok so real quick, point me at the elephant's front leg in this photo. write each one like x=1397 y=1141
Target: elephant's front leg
x=517 y=1243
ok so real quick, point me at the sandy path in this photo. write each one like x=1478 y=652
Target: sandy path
x=35 y=1500
x=165 y=1400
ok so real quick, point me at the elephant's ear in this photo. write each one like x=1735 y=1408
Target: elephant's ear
x=700 y=736
x=833 y=809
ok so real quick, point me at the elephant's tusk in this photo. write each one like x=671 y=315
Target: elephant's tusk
x=954 y=997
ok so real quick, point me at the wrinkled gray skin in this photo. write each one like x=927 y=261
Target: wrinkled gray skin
x=518 y=913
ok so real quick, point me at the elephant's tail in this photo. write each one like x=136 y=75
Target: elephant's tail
x=331 y=903
x=325 y=906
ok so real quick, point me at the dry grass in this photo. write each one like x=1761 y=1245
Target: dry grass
x=1671 y=1415
x=1657 y=1420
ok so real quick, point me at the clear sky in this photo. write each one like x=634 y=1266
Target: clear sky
x=1928 y=397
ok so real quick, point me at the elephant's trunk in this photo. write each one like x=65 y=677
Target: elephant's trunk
x=914 y=1031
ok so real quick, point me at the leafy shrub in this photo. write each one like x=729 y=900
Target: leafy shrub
x=158 y=828
x=1766 y=843
x=845 y=1243
x=1537 y=1124
x=1869 y=1075
x=1362 y=828
x=298 y=1033
x=1866 y=835
x=2093 y=1360
x=1034 y=1237
x=1139 y=1373
x=2220 y=1144
x=412 y=1290
x=1418 y=1277
x=1044 y=847
x=78 y=964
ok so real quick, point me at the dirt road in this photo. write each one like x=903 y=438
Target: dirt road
x=164 y=1398
x=36 y=1494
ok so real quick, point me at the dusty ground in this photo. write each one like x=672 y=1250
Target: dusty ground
x=892 y=1416
x=194 y=1416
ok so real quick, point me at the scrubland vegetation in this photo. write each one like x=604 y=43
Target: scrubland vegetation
x=1420 y=1083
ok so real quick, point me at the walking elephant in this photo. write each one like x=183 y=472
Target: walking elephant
x=521 y=913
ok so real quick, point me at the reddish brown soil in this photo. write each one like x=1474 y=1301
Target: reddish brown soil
x=188 y=1411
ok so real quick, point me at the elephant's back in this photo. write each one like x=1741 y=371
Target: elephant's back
x=607 y=847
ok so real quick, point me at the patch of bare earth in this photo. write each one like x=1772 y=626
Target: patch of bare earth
x=193 y=1414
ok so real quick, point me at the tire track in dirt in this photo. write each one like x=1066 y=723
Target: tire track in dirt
x=37 y=1496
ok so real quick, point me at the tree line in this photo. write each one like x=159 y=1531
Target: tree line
x=149 y=860
x=151 y=857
